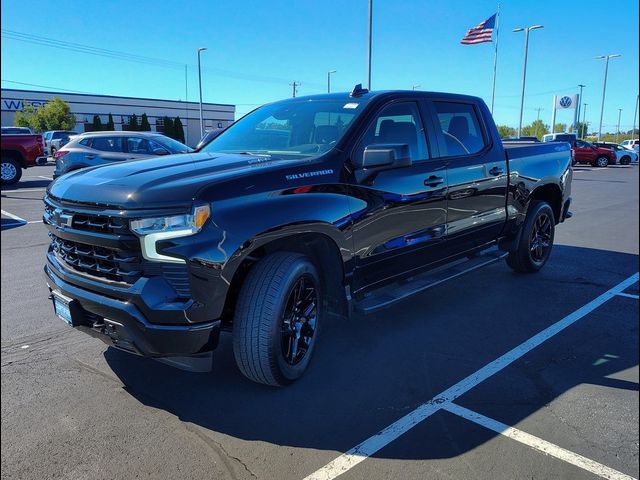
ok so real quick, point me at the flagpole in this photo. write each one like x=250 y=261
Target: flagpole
x=495 y=59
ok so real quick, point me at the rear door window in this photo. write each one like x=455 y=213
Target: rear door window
x=107 y=144
x=459 y=129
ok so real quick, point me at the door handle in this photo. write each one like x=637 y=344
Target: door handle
x=433 y=181
x=495 y=171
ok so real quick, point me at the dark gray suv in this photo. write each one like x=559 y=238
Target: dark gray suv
x=100 y=148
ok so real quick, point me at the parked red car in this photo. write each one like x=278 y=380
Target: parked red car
x=585 y=152
x=18 y=152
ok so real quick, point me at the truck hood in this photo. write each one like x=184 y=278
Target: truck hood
x=157 y=182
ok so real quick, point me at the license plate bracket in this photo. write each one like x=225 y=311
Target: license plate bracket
x=63 y=307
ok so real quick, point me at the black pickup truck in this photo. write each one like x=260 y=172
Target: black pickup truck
x=304 y=208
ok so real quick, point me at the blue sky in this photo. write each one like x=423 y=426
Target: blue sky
x=256 y=48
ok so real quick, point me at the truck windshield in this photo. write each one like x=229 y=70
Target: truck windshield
x=290 y=129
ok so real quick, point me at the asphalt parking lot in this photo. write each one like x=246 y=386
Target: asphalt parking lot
x=493 y=375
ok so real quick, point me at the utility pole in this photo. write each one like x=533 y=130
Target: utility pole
x=186 y=105
x=584 y=119
x=604 y=86
x=200 y=50
x=295 y=86
x=618 y=129
x=526 y=31
x=370 y=39
x=539 y=109
x=415 y=86
x=329 y=80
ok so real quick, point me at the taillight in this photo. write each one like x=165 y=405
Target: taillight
x=60 y=153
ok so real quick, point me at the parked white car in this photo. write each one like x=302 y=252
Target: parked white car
x=624 y=156
x=631 y=145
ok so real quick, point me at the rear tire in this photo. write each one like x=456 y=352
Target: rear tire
x=11 y=171
x=536 y=239
x=275 y=326
x=601 y=162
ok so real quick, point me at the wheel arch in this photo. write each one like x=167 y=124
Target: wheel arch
x=15 y=154
x=551 y=194
x=321 y=248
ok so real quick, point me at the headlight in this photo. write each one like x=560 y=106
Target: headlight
x=154 y=229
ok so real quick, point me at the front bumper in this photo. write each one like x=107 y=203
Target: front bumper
x=121 y=324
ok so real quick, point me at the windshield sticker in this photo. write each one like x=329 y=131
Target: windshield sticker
x=351 y=105
x=317 y=173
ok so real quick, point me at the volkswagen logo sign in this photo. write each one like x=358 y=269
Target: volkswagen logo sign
x=565 y=102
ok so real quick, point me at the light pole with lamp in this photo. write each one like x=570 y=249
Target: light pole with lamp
x=329 y=80
x=201 y=49
x=526 y=31
x=604 y=85
x=415 y=86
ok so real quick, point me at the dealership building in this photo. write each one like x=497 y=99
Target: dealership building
x=85 y=106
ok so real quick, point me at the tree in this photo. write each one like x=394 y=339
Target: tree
x=178 y=130
x=582 y=129
x=168 y=130
x=97 y=124
x=110 y=125
x=133 y=123
x=144 y=123
x=506 y=131
x=560 y=128
x=536 y=129
x=54 y=115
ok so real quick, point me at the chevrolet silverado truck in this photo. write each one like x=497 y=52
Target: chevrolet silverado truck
x=19 y=151
x=304 y=209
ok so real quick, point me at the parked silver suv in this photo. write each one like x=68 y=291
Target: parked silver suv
x=100 y=148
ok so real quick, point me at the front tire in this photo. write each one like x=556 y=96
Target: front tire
x=275 y=326
x=626 y=160
x=11 y=171
x=601 y=162
x=536 y=239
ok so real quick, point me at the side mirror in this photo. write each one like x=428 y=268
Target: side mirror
x=384 y=155
x=160 y=151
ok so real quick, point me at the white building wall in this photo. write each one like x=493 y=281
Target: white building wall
x=84 y=107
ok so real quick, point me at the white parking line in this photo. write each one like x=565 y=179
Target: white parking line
x=46 y=178
x=370 y=446
x=20 y=190
x=628 y=295
x=13 y=217
x=537 y=443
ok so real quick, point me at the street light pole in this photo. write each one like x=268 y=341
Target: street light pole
x=633 y=131
x=618 y=128
x=370 y=38
x=329 y=80
x=526 y=31
x=584 y=119
x=578 y=109
x=604 y=86
x=200 y=50
x=415 y=86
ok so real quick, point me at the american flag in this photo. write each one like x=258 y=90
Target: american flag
x=480 y=34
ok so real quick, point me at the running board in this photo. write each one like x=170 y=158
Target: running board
x=390 y=294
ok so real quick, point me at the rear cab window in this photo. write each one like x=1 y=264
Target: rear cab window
x=458 y=129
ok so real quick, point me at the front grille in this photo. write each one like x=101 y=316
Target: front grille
x=103 y=248
x=106 y=263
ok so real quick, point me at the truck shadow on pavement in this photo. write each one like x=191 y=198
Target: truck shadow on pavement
x=369 y=371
